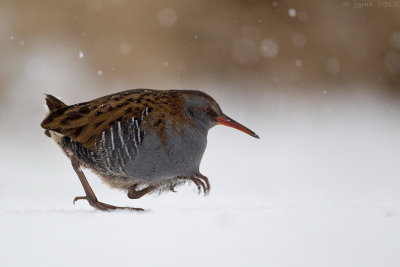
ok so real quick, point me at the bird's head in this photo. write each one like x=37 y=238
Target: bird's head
x=203 y=110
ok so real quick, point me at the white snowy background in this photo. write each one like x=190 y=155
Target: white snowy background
x=320 y=188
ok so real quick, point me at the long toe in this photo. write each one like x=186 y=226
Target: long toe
x=104 y=206
x=109 y=207
x=205 y=179
x=79 y=198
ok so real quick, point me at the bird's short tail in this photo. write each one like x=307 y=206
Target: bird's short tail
x=53 y=103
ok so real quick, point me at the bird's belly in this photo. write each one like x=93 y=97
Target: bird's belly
x=155 y=161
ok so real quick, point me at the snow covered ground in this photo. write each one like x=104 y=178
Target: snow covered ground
x=320 y=188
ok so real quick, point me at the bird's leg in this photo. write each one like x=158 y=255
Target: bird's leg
x=90 y=196
x=135 y=194
x=199 y=183
x=205 y=179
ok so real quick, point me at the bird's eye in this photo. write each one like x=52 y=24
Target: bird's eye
x=207 y=108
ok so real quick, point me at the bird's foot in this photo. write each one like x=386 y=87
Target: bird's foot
x=103 y=206
x=205 y=179
x=201 y=182
x=135 y=194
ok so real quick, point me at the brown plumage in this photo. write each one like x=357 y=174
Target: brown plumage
x=84 y=122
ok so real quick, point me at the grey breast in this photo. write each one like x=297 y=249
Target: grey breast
x=126 y=149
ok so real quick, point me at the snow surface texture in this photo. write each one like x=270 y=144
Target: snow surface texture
x=320 y=188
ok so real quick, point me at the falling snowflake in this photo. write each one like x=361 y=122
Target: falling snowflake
x=292 y=12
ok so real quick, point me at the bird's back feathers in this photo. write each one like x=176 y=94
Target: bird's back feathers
x=85 y=122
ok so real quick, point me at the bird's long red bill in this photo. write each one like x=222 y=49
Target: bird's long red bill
x=225 y=120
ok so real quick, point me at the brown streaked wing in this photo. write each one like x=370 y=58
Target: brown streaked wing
x=85 y=122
